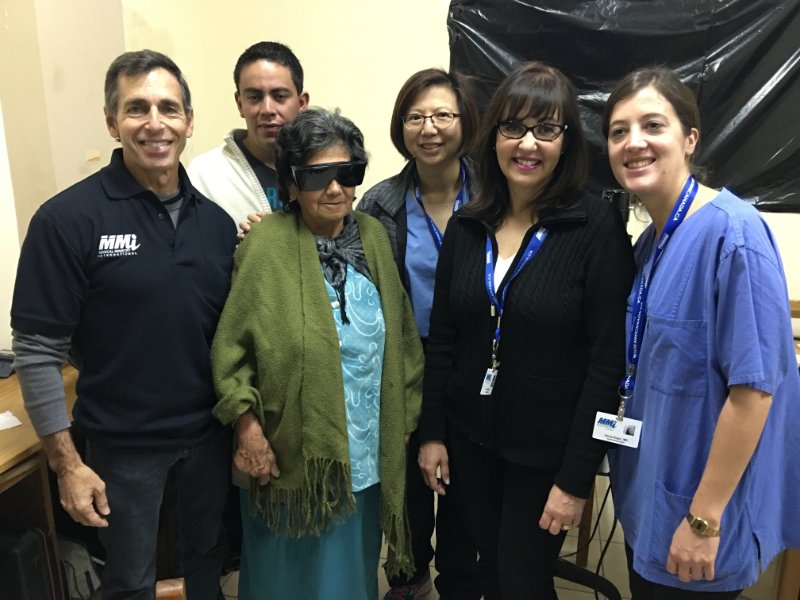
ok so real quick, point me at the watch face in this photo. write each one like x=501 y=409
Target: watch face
x=699 y=525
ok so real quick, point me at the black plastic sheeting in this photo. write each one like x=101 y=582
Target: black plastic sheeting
x=741 y=58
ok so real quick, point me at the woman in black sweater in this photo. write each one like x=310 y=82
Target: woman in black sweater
x=516 y=398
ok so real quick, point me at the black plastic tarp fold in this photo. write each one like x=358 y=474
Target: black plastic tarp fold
x=741 y=57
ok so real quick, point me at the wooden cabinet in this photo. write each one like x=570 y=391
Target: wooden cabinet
x=24 y=481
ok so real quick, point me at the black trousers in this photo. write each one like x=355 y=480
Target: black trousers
x=641 y=589
x=456 y=558
x=503 y=502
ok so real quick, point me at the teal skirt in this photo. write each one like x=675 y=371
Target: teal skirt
x=339 y=564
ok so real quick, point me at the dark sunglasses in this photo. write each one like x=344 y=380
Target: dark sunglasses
x=312 y=178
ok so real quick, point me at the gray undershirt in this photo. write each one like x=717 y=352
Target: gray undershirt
x=173 y=206
x=38 y=360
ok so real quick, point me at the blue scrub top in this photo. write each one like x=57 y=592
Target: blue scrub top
x=717 y=315
x=421 y=259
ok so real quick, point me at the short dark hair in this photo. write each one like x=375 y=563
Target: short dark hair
x=538 y=91
x=138 y=62
x=664 y=81
x=273 y=52
x=421 y=81
x=310 y=132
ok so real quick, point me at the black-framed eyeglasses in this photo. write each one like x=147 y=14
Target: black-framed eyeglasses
x=310 y=178
x=544 y=132
x=440 y=120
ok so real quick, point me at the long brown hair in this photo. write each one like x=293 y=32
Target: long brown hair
x=539 y=91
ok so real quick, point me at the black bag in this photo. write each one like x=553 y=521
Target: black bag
x=28 y=569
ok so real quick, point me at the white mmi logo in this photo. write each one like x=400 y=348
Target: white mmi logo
x=117 y=245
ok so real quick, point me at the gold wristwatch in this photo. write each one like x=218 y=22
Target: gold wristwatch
x=701 y=526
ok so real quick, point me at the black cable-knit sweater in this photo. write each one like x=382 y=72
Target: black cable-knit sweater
x=562 y=349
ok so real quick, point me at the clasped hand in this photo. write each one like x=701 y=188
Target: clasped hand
x=254 y=454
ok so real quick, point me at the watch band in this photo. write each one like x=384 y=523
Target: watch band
x=701 y=526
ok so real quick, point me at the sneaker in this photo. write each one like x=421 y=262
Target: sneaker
x=412 y=591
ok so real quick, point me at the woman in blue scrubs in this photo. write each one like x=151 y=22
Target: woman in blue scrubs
x=433 y=126
x=709 y=497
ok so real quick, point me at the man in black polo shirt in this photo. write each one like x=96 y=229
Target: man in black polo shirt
x=128 y=271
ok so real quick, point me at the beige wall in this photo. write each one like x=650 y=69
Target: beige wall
x=52 y=59
x=9 y=240
x=77 y=41
x=786 y=227
x=53 y=56
x=355 y=56
x=24 y=108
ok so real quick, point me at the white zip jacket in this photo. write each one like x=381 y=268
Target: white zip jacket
x=224 y=175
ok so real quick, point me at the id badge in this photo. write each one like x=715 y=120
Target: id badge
x=488 y=382
x=624 y=433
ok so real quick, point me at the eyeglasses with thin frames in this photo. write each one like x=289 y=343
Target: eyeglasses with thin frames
x=440 y=120
x=544 y=132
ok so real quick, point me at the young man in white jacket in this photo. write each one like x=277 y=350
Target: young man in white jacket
x=239 y=175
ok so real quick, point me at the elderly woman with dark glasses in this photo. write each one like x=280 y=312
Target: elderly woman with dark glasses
x=527 y=333
x=318 y=364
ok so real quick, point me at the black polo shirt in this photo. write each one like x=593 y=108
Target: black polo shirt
x=140 y=298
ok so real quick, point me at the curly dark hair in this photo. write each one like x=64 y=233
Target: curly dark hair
x=312 y=131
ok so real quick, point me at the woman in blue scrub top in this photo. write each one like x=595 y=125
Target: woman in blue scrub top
x=710 y=495
x=433 y=127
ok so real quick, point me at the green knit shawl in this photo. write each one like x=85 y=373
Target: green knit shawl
x=276 y=351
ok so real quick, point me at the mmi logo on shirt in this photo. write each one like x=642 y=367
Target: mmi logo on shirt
x=124 y=244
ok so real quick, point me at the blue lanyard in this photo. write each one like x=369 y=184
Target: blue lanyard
x=639 y=312
x=498 y=304
x=461 y=199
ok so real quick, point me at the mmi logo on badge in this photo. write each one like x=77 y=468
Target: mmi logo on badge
x=117 y=245
x=606 y=422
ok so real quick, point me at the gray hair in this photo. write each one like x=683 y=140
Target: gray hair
x=136 y=63
x=310 y=132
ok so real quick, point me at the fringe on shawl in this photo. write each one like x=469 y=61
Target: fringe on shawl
x=399 y=560
x=327 y=499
